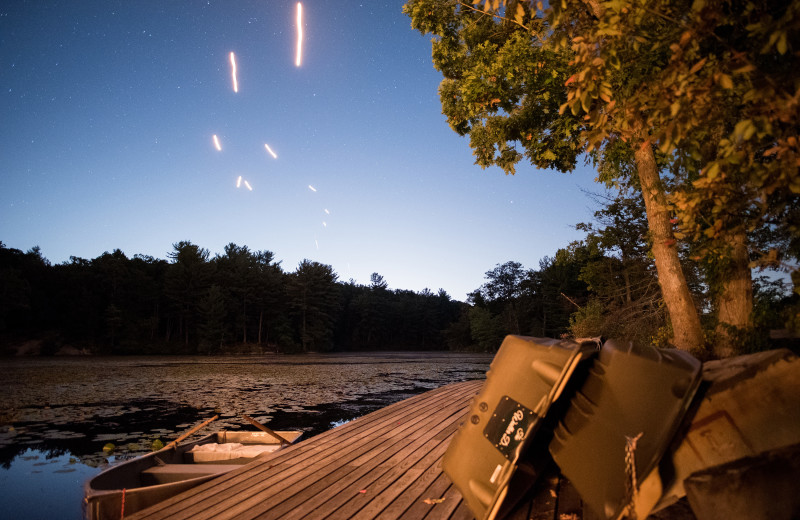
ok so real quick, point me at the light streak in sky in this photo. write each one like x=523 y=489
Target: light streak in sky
x=248 y=185
x=324 y=224
x=233 y=72
x=327 y=212
x=299 y=57
x=315 y=241
x=216 y=143
x=312 y=188
x=274 y=156
x=239 y=182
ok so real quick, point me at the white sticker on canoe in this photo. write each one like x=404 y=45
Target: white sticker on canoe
x=496 y=473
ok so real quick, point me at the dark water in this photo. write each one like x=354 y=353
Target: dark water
x=58 y=414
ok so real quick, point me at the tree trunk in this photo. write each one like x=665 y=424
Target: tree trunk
x=687 y=333
x=303 y=334
x=626 y=275
x=154 y=326
x=244 y=320
x=260 y=324
x=735 y=301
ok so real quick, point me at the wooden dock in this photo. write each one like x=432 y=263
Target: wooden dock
x=383 y=465
x=387 y=464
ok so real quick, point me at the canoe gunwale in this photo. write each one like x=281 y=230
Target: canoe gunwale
x=99 y=499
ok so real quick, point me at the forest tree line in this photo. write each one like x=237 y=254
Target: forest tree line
x=192 y=303
x=243 y=301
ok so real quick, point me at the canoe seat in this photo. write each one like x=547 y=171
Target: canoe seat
x=216 y=453
x=177 y=472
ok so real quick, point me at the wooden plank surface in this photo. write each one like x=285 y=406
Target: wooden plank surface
x=387 y=464
x=382 y=465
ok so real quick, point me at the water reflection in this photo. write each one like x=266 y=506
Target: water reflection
x=42 y=485
x=60 y=413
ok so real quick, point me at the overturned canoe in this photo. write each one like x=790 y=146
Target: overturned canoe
x=484 y=459
x=147 y=480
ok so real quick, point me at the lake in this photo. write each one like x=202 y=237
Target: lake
x=58 y=414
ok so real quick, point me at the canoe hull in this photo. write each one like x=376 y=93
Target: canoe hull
x=132 y=482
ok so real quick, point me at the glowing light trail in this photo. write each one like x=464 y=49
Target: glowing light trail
x=233 y=72
x=312 y=188
x=239 y=182
x=274 y=156
x=248 y=185
x=299 y=58
x=216 y=143
x=327 y=212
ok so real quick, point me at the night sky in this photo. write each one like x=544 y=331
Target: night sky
x=108 y=111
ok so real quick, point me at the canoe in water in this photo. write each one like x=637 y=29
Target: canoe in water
x=155 y=477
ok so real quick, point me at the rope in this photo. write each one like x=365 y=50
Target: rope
x=632 y=487
x=122 y=512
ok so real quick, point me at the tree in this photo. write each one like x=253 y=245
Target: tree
x=557 y=289
x=15 y=291
x=238 y=274
x=714 y=84
x=620 y=233
x=708 y=89
x=269 y=292
x=501 y=293
x=625 y=299
x=484 y=329
x=378 y=282
x=187 y=280
x=372 y=314
x=506 y=84
x=149 y=274
x=313 y=300
x=212 y=327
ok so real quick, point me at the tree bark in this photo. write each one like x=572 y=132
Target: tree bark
x=735 y=301
x=260 y=324
x=244 y=320
x=687 y=332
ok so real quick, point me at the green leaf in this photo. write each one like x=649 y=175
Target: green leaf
x=782 y=46
x=713 y=171
x=698 y=65
x=745 y=129
x=519 y=15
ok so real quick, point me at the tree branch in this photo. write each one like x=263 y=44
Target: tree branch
x=494 y=15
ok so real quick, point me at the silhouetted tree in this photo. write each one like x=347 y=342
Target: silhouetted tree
x=187 y=280
x=313 y=300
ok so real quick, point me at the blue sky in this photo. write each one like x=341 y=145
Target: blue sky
x=108 y=108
